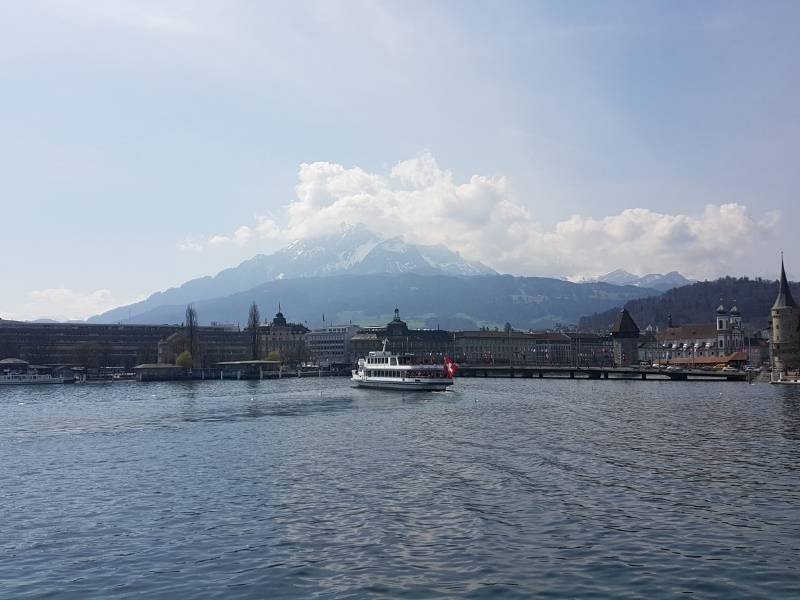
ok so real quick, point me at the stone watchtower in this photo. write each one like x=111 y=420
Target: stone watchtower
x=625 y=336
x=785 y=328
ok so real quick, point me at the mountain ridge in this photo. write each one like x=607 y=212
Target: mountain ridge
x=352 y=249
x=448 y=301
x=658 y=281
x=696 y=303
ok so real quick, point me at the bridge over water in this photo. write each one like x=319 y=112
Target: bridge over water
x=642 y=373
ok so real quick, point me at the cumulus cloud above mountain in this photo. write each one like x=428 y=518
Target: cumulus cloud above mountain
x=484 y=220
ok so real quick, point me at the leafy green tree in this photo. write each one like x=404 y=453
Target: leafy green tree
x=184 y=360
x=274 y=355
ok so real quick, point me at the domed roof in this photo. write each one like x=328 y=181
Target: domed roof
x=720 y=310
x=735 y=310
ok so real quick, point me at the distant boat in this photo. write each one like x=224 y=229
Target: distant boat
x=32 y=378
x=388 y=371
x=780 y=378
x=15 y=371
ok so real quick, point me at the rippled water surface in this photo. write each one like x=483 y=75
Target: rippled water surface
x=307 y=488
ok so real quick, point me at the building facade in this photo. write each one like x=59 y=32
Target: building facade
x=215 y=344
x=287 y=339
x=82 y=344
x=694 y=340
x=331 y=345
x=434 y=343
x=552 y=348
x=730 y=334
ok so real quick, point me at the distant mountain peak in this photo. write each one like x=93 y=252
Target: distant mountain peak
x=344 y=249
x=656 y=281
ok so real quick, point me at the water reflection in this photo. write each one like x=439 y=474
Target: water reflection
x=790 y=406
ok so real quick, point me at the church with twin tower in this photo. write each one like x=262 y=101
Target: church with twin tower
x=785 y=317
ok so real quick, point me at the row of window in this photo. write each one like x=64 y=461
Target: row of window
x=381 y=360
x=407 y=374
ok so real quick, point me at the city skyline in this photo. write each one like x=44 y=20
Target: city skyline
x=149 y=143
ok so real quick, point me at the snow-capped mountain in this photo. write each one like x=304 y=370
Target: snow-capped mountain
x=350 y=249
x=656 y=281
x=356 y=249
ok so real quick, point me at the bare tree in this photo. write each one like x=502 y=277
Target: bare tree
x=253 y=322
x=191 y=331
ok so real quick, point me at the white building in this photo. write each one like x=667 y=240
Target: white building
x=331 y=345
x=722 y=338
x=730 y=336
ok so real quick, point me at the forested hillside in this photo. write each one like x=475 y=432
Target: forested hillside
x=696 y=303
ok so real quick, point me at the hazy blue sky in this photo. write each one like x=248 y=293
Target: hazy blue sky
x=145 y=143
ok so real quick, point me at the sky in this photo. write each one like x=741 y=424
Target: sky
x=146 y=143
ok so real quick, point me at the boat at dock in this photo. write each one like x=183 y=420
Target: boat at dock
x=783 y=378
x=32 y=378
x=388 y=371
x=14 y=371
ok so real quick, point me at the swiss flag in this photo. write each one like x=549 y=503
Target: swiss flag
x=450 y=368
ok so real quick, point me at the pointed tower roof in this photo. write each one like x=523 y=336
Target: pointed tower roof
x=625 y=326
x=279 y=319
x=784 y=298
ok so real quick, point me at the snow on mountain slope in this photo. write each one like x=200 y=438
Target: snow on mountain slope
x=347 y=249
x=656 y=281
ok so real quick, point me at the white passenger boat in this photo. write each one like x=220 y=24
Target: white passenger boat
x=388 y=371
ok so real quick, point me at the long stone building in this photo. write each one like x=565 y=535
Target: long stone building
x=401 y=339
x=96 y=346
x=486 y=347
x=81 y=344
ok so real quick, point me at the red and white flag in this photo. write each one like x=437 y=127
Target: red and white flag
x=450 y=368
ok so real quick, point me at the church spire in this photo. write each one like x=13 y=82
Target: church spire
x=784 y=298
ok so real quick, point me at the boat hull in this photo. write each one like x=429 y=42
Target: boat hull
x=406 y=386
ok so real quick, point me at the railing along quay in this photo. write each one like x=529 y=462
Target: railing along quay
x=561 y=372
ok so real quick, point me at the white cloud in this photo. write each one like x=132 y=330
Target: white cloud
x=239 y=238
x=484 y=220
x=64 y=304
x=189 y=245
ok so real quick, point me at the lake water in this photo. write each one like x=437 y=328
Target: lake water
x=310 y=489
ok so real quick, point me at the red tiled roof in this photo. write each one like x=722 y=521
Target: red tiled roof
x=691 y=331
